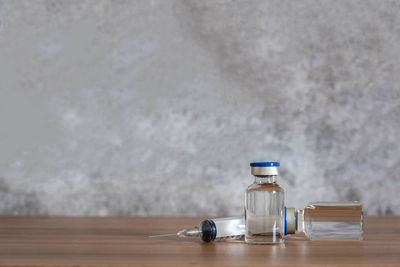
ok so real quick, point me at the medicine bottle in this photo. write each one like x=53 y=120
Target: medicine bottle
x=264 y=206
x=327 y=220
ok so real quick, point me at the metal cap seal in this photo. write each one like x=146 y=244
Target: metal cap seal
x=290 y=221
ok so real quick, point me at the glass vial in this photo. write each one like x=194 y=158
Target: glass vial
x=328 y=221
x=264 y=206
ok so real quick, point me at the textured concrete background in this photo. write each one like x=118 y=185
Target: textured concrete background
x=157 y=107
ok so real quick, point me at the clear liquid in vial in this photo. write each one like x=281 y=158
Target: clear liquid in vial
x=264 y=214
x=333 y=220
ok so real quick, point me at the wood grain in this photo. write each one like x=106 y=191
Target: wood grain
x=112 y=241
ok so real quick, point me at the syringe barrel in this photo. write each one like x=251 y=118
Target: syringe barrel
x=222 y=228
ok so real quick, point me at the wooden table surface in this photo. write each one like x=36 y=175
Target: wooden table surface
x=111 y=241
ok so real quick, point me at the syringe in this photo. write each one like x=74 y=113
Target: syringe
x=214 y=229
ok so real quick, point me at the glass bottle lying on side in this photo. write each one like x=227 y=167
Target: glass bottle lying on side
x=327 y=221
x=318 y=221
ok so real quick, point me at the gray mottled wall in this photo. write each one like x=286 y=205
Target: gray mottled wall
x=157 y=107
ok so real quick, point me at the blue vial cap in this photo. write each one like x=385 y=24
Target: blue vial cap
x=264 y=164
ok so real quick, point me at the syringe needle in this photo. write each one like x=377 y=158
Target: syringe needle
x=151 y=236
